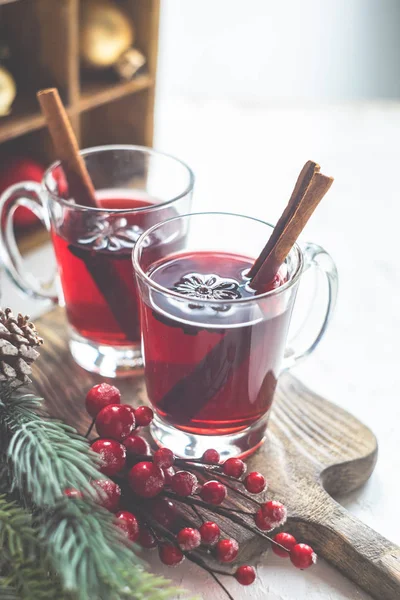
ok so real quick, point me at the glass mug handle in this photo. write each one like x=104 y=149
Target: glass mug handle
x=321 y=262
x=30 y=195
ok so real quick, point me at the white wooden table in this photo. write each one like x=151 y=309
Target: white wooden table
x=246 y=160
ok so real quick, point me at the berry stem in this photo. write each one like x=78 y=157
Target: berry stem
x=89 y=431
x=221 y=585
x=197 y=513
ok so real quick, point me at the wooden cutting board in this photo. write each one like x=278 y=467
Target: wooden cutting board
x=314 y=450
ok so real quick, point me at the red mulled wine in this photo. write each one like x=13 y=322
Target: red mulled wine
x=94 y=260
x=211 y=367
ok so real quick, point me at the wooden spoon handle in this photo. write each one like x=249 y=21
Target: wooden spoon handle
x=362 y=554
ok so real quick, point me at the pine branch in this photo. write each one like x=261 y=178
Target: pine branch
x=7 y=592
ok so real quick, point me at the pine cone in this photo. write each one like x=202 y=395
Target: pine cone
x=18 y=339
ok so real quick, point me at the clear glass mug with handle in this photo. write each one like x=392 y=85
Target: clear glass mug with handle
x=136 y=187
x=212 y=348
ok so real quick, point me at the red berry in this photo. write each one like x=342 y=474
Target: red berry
x=188 y=539
x=302 y=556
x=108 y=494
x=213 y=492
x=263 y=522
x=210 y=533
x=184 y=483
x=113 y=455
x=170 y=554
x=128 y=523
x=164 y=511
x=115 y=421
x=164 y=458
x=146 y=538
x=143 y=415
x=100 y=396
x=136 y=445
x=227 y=550
x=286 y=540
x=275 y=512
x=234 y=467
x=146 y=479
x=245 y=575
x=211 y=456
x=255 y=483
x=169 y=473
x=72 y=493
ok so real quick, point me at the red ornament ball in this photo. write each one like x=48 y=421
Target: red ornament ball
x=72 y=493
x=128 y=523
x=189 y=538
x=100 y=396
x=146 y=479
x=210 y=533
x=146 y=538
x=115 y=421
x=184 y=483
x=108 y=494
x=164 y=511
x=213 y=492
x=245 y=575
x=164 y=458
x=275 y=512
x=113 y=455
x=136 y=445
x=170 y=554
x=143 y=415
x=302 y=556
x=227 y=550
x=211 y=456
x=234 y=467
x=255 y=483
x=287 y=541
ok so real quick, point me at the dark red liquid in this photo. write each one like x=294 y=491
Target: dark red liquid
x=98 y=282
x=212 y=371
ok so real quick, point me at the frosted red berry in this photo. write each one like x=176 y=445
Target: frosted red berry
x=146 y=479
x=234 y=467
x=136 y=445
x=188 y=539
x=210 y=533
x=128 y=523
x=255 y=483
x=100 y=396
x=245 y=575
x=286 y=540
x=113 y=455
x=170 y=554
x=227 y=550
x=164 y=458
x=169 y=473
x=146 y=538
x=302 y=556
x=115 y=421
x=143 y=415
x=164 y=511
x=213 y=492
x=184 y=483
x=275 y=512
x=108 y=494
x=72 y=493
x=211 y=456
x=263 y=522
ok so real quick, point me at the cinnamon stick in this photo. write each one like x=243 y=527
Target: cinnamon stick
x=80 y=185
x=309 y=190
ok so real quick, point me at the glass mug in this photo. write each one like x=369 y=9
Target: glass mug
x=136 y=187
x=213 y=349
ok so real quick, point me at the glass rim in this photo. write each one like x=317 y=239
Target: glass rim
x=209 y=301
x=111 y=147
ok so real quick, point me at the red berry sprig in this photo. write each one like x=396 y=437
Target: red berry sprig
x=151 y=493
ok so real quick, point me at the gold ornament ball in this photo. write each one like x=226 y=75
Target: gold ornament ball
x=8 y=91
x=105 y=33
